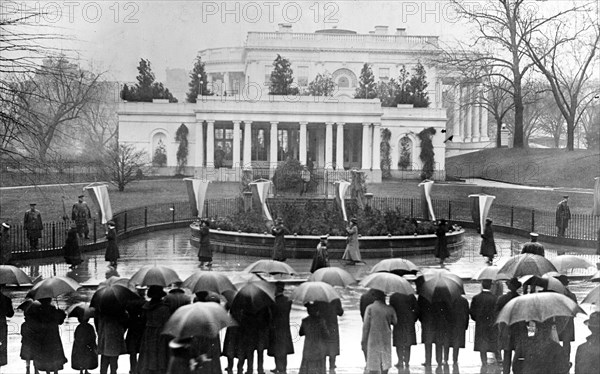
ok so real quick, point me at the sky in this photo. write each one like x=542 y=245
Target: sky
x=112 y=35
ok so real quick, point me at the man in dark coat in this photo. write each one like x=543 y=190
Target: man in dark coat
x=533 y=247
x=321 y=257
x=483 y=312
x=488 y=246
x=404 y=336
x=135 y=326
x=32 y=223
x=278 y=231
x=563 y=215
x=509 y=336
x=460 y=324
x=80 y=213
x=280 y=337
x=587 y=358
x=5 y=245
x=537 y=353
x=441 y=246
x=330 y=312
x=205 y=248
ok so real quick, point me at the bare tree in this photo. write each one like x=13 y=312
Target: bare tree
x=553 y=122
x=499 y=48
x=124 y=164
x=564 y=53
x=99 y=118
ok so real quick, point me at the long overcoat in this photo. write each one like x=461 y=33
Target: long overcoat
x=136 y=323
x=111 y=335
x=587 y=358
x=488 y=246
x=330 y=312
x=71 y=249
x=205 y=249
x=316 y=335
x=483 y=312
x=377 y=335
x=460 y=322
x=32 y=223
x=80 y=213
x=280 y=337
x=154 y=354
x=507 y=335
x=84 y=355
x=407 y=313
x=441 y=245
x=320 y=258
x=5 y=247
x=112 y=250
x=48 y=353
x=568 y=333
x=435 y=321
x=563 y=215
x=6 y=310
x=352 y=252
x=279 y=253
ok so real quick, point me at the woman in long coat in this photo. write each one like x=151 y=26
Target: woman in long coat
x=321 y=257
x=205 y=249
x=407 y=312
x=71 y=248
x=111 y=340
x=279 y=230
x=377 y=335
x=112 y=250
x=48 y=355
x=441 y=246
x=352 y=253
x=84 y=355
x=154 y=354
x=316 y=335
x=488 y=246
x=280 y=337
x=6 y=311
x=330 y=313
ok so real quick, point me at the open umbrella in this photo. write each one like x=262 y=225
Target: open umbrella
x=487 y=272
x=539 y=307
x=388 y=283
x=154 y=276
x=441 y=285
x=525 y=264
x=208 y=281
x=52 y=287
x=270 y=267
x=198 y=319
x=547 y=282
x=564 y=263
x=595 y=277
x=80 y=309
x=593 y=297
x=112 y=299
x=253 y=297
x=13 y=275
x=332 y=275
x=398 y=266
x=239 y=280
x=309 y=292
x=111 y=281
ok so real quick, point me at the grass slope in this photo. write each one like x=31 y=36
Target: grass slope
x=534 y=167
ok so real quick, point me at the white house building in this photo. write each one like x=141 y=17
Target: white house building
x=243 y=127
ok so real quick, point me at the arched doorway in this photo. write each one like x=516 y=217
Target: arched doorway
x=159 y=149
x=405 y=149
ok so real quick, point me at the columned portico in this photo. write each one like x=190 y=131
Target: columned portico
x=236 y=144
x=210 y=143
x=468 y=112
x=366 y=146
x=339 y=146
x=302 y=155
x=457 y=115
x=484 y=116
x=328 y=145
x=199 y=155
x=376 y=147
x=247 y=144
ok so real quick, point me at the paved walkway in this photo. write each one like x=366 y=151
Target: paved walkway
x=489 y=183
x=172 y=248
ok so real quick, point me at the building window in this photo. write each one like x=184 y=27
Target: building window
x=224 y=145
x=282 y=145
x=268 y=70
x=259 y=146
x=343 y=82
x=302 y=76
x=384 y=73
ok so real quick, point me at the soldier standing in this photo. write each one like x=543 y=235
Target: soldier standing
x=32 y=222
x=80 y=214
x=563 y=215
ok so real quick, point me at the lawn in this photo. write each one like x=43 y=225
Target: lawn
x=535 y=167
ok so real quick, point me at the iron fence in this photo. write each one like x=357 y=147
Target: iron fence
x=581 y=226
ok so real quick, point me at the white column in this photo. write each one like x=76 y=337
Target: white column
x=247 y=144
x=210 y=143
x=302 y=155
x=457 y=117
x=467 y=110
x=376 y=146
x=328 y=145
x=366 y=146
x=236 y=144
x=199 y=159
x=475 y=110
x=484 y=117
x=438 y=94
x=339 y=150
x=226 y=83
x=274 y=145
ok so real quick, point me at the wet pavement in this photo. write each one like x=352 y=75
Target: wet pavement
x=172 y=248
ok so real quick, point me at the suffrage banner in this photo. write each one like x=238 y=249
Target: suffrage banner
x=196 y=189
x=98 y=193
x=260 y=191
x=340 y=188
x=480 y=208
x=596 y=207
x=426 y=205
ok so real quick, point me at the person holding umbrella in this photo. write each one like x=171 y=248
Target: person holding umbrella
x=111 y=339
x=180 y=356
x=6 y=311
x=321 y=257
x=441 y=246
x=112 y=250
x=508 y=336
x=587 y=358
x=280 y=337
x=407 y=313
x=330 y=311
x=253 y=336
x=538 y=353
x=278 y=231
x=207 y=350
x=352 y=253
x=48 y=353
x=377 y=335
x=154 y=353
x=567 y=335
x=488 y=246
x=483 y=312
x=136 y=324
x=316 y=335
x=205 y=248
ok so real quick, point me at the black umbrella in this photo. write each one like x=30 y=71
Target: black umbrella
x=253 y=297
x=112 y=299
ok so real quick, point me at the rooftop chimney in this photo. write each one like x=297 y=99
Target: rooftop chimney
x=381 y=30
x=285 y=27
x=401 y=31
